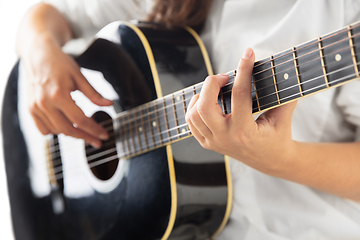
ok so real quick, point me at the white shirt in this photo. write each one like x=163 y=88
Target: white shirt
x=266 y=207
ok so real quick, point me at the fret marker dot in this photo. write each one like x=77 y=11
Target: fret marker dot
x=286 y=76
x=178 y=98
x=154 y=124
x=183 y=130
x=337 y=57
x=140 y=129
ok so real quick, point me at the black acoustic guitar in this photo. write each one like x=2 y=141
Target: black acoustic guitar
x=137 y=186
x=144 y=183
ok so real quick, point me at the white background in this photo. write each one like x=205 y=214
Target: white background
x=11 y=12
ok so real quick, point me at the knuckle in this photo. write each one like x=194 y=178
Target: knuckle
x=44 y=131
x=41 y=102
x=57 y=95
x=81 y=122
x=243 y=139
x=33 y=107
x=65 y=130
x=187 y=117
x=203 y=144
x=210 y=79
x=202 y=108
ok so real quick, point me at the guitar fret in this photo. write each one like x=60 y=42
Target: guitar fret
x=158 y=124
x=286 y=77
x=273 y=74
x=121 y=135
x=126 y=134
x=322 y=61
x=175 y=116
x=338 y=57
x=297 y=71
x=256 y=93
x=180 y=113
x=166 y=120
x=137 y=130
x=143 y=128
x=132 y=139
x=352 y=49
x=171 y=117
x=153 y=124
x=150 y=126
x=184 y=105
x=163 y=128
x=264 y=83
x=310 y=67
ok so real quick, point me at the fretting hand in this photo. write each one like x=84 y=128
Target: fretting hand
x=264 y=144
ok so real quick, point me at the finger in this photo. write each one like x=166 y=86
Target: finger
x=207 y=106
x=198 y=123
x=76 y=116
x=63 y=125
x=191 y=114
x=84 y=86
x=41 y=121
x=195 y=132
x=241 y=100
x=192 y=102
x=41 y=126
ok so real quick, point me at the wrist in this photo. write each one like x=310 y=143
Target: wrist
x=286 y=161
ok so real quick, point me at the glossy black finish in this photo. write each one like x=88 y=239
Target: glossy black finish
x=139 y=207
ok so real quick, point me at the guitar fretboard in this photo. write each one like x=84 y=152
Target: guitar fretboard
x=325 y=62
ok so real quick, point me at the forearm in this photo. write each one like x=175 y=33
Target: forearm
x=42 y=24
x=330 y=167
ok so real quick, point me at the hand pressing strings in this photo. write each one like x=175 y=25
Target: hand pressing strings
x=265 y=144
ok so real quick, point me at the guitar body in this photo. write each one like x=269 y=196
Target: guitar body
x=177 y=191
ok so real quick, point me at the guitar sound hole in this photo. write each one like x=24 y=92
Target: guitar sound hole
x=103 y=162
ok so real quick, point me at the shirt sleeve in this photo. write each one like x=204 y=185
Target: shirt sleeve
x=87 y=17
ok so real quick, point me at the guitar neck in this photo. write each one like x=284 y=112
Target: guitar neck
x=326 y=62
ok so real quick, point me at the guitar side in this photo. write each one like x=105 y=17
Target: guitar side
x=164 y=194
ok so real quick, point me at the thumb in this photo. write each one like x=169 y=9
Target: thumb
x=84 y=86
x=241 y=99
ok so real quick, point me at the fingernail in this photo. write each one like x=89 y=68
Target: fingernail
x=223 y=75
x=107 y=101
x=96 y=145
x=247 y=54
x=104 y=136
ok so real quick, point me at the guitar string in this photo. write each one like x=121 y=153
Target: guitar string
x=129 y=151
x=316 y=88
x=297 y=85
x=103 y=161
x=183 y=133
x=162 y=110
x=59 y=168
